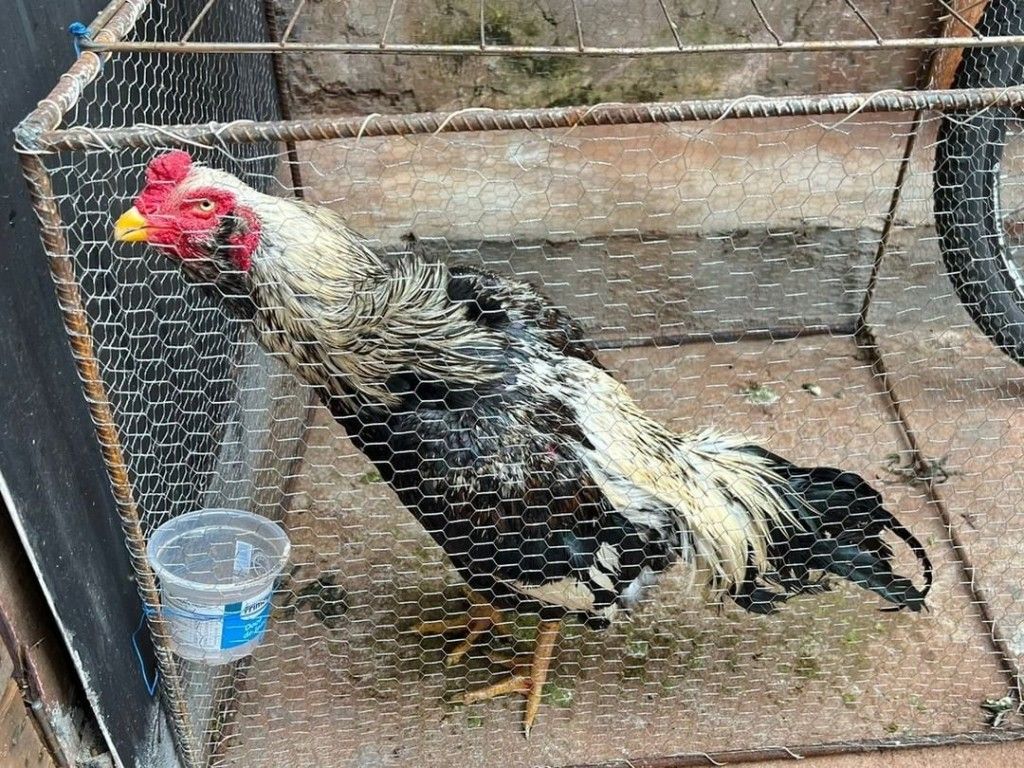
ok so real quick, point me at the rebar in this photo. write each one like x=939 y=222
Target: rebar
x=80 y=336
x=320 y=129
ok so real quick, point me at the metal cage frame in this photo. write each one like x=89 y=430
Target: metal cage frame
x=40 y=134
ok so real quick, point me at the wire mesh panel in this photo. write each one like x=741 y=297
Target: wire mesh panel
x=670 y=278
x=764 y=267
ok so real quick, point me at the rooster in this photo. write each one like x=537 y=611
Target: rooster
x=483 y=407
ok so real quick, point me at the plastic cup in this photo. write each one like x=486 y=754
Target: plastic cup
x=217 y=569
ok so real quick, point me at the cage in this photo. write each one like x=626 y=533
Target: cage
x=764 y=263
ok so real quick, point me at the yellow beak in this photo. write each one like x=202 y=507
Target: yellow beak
x=131 y=227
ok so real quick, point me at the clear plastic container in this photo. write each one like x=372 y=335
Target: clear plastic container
x=217 y=569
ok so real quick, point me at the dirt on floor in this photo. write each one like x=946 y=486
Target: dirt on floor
x=343 y=680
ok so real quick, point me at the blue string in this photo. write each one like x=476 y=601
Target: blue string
x=79 y=36
x=78 y=32
x=149 y=610
x=150 y=687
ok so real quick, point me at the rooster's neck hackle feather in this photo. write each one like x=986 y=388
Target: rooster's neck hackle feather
x=353 y=321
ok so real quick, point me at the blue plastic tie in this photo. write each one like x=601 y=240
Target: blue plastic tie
x=78 y=32
x=150 y=686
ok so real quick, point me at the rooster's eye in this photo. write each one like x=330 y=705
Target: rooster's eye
x=206 y=206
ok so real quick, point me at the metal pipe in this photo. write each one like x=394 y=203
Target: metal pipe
x=76 y=323
x=795 y=753
x=438 y=49
x=66 y=94
x=473 y=120
x=284 y=104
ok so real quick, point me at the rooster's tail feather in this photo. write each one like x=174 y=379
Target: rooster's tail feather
x=837 y=527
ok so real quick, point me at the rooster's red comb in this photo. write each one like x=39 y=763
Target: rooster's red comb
x=170 y=167
x=163 y=174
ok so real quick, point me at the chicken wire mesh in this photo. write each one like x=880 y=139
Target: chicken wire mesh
x=778 y=276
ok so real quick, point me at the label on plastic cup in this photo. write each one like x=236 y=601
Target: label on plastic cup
x=245 y=622
x=211 y=628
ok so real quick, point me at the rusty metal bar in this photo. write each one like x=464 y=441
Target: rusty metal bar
x=959 y=17
x=966 y=8
x=107 y=12
x=863 y=19
x=283 y=95
x=890 y=220
x=796 y=753
x=203 y=12
x=474 y=120
x=114 y=22
x=774 y=333
x=866 y=340
x=437 y=49
x=672 y=25
x=948 y=59
x=579 y=25
x=387 y=24
x=76 y=322
x=295 y=17
x=68 y=90
x=979 y=596
x=764 y=22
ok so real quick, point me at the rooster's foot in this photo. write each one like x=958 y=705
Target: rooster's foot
x=480 y=619
x=527 y=679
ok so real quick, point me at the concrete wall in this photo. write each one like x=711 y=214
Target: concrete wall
x=339 y=84
x=642 y=231
x=654 y=231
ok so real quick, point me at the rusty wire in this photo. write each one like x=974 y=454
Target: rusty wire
x=863 y=19
x=764 y=22
x=203 y=12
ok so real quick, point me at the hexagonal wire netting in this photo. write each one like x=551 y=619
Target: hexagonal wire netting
x=767 y=265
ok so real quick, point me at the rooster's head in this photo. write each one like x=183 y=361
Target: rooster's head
x=198 y=215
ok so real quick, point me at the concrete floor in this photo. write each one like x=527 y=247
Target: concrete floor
x=342 y=681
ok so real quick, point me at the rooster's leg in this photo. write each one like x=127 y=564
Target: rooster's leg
x=529 y=683
x=480 y=619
